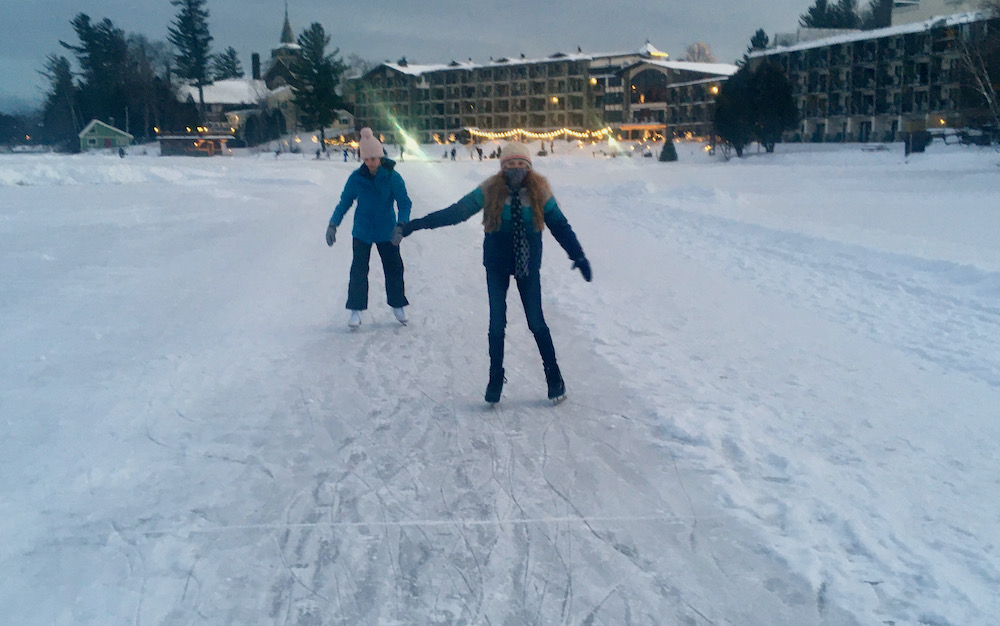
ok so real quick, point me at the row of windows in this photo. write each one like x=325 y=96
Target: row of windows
x=917 y=101
x=390 y=78
x=446 y=123
x=549 y=87
x=911 y=46
x=501 y=99
x=491 y=106
x=911 y=74
x=872 y=51
x=561 y=100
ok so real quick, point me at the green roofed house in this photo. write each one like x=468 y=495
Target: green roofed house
x=98 y=135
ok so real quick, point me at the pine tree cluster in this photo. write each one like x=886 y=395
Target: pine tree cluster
x=755 y=105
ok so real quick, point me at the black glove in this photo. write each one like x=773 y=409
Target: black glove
x=401 y=230
x=331 y=234
x=583 y=265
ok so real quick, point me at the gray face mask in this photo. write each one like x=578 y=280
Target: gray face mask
x=515 y=177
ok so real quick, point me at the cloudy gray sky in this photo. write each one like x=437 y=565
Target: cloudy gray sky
x=425 y=31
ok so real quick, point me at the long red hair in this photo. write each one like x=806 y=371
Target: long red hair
x=496 y=192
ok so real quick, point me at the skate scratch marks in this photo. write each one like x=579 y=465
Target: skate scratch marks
x=524 y=521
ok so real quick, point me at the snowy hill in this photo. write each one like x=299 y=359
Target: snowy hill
x=783 y=390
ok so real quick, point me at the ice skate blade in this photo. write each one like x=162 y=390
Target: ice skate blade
x=557 y=400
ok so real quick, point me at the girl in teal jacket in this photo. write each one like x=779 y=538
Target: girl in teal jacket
x=376 y=186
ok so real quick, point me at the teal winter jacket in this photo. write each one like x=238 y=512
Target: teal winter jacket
x=498 y=246
x=375 y=217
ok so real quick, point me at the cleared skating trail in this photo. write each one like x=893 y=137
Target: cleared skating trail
x=432 y=508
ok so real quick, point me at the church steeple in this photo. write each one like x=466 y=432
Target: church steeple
x=286 y=31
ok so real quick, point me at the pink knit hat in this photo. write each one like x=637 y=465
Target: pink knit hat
x=369 y=145
x=515 y=150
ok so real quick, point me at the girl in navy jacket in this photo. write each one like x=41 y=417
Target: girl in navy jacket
x=517 y=205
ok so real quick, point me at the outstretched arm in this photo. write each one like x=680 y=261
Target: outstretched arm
x=462 y=210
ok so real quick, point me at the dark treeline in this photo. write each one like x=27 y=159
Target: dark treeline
x=130 y=82
x=122 y=80
x=126 y=80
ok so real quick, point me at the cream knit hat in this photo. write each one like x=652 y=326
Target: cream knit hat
x=369 y=145
x=515 y=150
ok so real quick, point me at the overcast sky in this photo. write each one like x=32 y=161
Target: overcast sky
x=428 y=31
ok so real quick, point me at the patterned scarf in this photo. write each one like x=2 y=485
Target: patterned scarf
x=521 y=251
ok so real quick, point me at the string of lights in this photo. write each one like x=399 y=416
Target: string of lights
x=520 y=132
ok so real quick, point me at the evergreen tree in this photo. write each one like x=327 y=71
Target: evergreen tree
x=845 y=14
x=669 y=152
x=189 y=33
x=759 y=41
x=146 y=58
x=734 y=115
x=103 y=57
x=315 y=78
x=773 y=105
x=877 y=15
x=60 y=122
x=227 y=65
x=755 y=105
x=816 y=16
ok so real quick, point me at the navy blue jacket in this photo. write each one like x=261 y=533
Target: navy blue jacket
x=498 y=246
x=375 y=217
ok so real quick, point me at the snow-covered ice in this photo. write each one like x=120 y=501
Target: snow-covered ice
x=783 y=383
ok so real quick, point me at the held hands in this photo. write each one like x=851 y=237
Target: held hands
x=583 y=265
x=331 y=234
x=401 y=230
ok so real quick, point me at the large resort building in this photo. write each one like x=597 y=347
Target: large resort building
x=863 y=86
x=877 y=85
x=580 y=95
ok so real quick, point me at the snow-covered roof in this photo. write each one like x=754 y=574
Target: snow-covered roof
x=913 y=27
x=414 y=69
x=722 y=69
x=650 y=50
x=97 y=122
x=229 y=91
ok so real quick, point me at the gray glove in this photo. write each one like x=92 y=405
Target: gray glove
x=403 y=229
x=331 y=234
